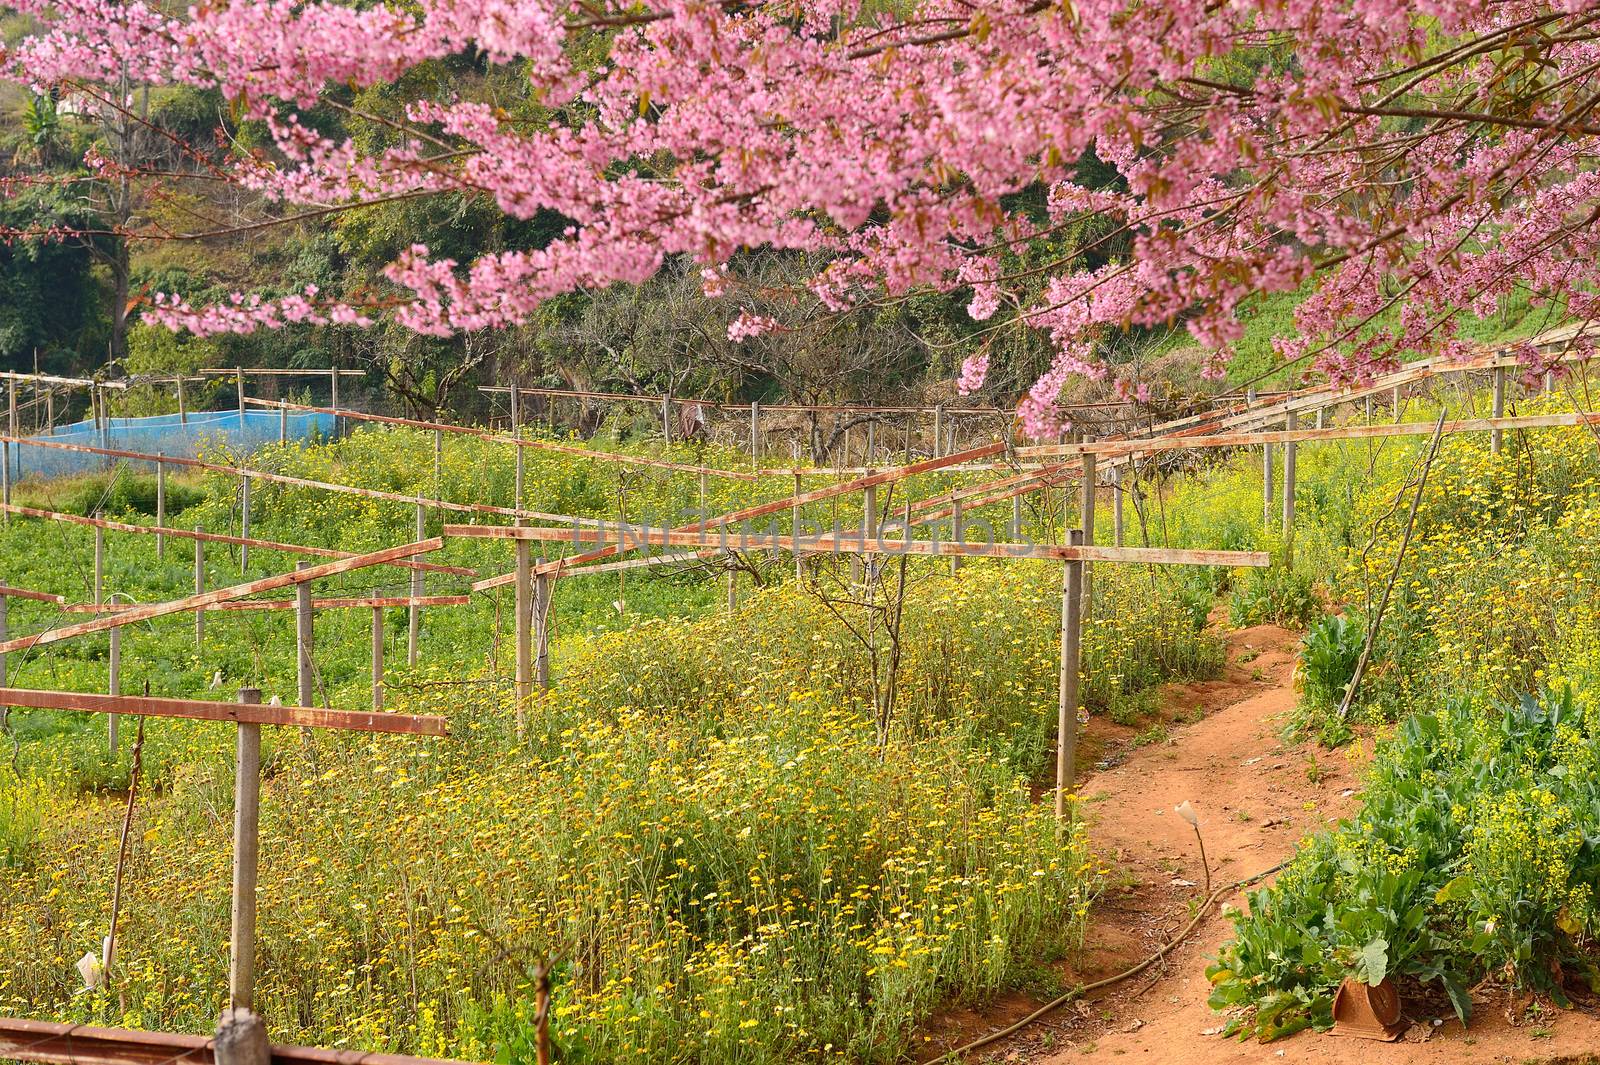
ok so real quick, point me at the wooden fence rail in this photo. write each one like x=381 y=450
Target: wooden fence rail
x=208 y=710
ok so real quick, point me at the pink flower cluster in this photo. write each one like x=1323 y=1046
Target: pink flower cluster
x=1360 y=152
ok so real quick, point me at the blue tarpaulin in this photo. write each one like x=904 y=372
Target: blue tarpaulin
x=164 y=434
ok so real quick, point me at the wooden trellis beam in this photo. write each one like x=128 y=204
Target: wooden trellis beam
x=209 y=710
x=218 y=538
x=630 y=537
x=374 y=603
x=149 y=611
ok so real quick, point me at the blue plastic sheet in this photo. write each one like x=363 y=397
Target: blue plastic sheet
x=164 y=434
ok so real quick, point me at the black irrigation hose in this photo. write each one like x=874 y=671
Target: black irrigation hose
x=1084 y=989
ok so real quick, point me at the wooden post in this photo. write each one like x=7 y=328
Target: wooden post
x=794 y=521
x=541 y=630
x=1067 y=708
x=246 y=855
x=161 y=506
x=1498 y=409
x=1268 y=497
x=958 y=532
x=244 y=522
x=1549 y=381
x=1016 y=517
x=11 y=430
x=238 y=381
x=666 y=417
x=377 y=658
x=333 y=400
x=105 y=422
x=113 y=686
x=199 y=586
x=1367 y=403
x=872 y=439
x=938 y=430
x=183 y=406
x=414 y=612
x=303 y=647
x=755 y=433
x=1322 y=417
x=1289 y=423
x=733 y=590
x=1116 y=505
x=438 y=464
x=283 y=426
x=524 y=652
x=1086 y=511
x=516 y=431
x=50 y=411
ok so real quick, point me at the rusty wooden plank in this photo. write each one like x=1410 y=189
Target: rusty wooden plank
x=220 y=538
x=80 y=1044
x=379 y=602
x=1343 y=432
x=636 y=537
x=761 y=510
x=149 y=611
x=496 y=438
x=10 y=592
x=210 y=710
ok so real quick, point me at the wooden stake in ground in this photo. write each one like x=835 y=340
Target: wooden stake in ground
x=199 y=588
x=414 y=615
x=1499 y=408
x=1288 y=494
x=161 y=509
x=109 y=953
x=246 y=858
x=1383 y=600
x=1071 y=656
x=377 y=658
x=303 y=646
x=542 y=592
x=149 y=611
x=1086 y=509
x=524 y=641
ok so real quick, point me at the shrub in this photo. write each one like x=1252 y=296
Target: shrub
x=1472 y=857
x=1277 y=595
x=1328 y=654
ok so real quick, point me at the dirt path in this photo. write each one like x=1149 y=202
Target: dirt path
x=1256 y=798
